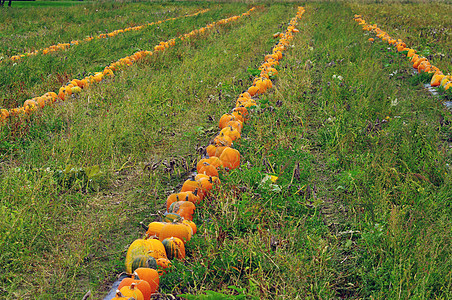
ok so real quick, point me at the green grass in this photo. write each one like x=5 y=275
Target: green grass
x=360 y=208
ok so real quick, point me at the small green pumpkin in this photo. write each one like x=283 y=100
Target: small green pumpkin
x=144 y=261
x=174 y=247
x=171 y=217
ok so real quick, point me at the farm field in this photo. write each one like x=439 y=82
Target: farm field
x=344 y=185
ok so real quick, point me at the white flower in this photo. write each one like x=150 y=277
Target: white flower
x=394 y=102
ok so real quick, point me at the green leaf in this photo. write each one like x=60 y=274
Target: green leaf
x=92 y=172
x=254 y=72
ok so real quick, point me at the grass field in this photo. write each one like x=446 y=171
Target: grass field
x=362 y=152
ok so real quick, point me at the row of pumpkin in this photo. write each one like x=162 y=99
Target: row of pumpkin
x=64 y=46
x=76 y=85
x=420 y=63
x=150 y=257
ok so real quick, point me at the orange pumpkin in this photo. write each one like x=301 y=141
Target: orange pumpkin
x=185 y=209
x=163 y=265
x=155 y=248
x=142 y=285
x=154 y=229
x=119 y=296
x=237 y=125
x=215 y=161
x=222 y=140
x=224 y=119
x=219 y=150
x=132 y=291
x=178 y=230
x=230 y=158
x=149 y=275
x=194 y=187
x=192 y=225
x=233 y=133
x=208 y=169
x=182 y=196
x=210 y=150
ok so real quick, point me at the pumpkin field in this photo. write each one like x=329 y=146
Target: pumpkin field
x=226 y=150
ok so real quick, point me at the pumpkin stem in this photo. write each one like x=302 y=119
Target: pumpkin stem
x=144 y=226
x=119 y=294
x=195 y=192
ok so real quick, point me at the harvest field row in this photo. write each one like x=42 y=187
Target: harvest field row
x=420 y=63
x=75 y=86
x=38 y=75
x=344 y=183
x=64 y=46
x=166 y=240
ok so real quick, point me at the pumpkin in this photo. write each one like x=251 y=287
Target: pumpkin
x=4 y=114
x=132 y=291
x=418 y=61
x=215 y=161
x=253 y=90
x=222 y=140
x=219 y=150
x=143 y=261
x=194 y=186
x=245 y=103
x=230 y=158
x=154 y=229
x=142 y=285
x=174 y=247
x=237 y=125
x=423 y=66
x=238 y=115
x=178 y=230
x=182 y=196
x=206 y=182
x=245 y=95
x=163 y=265
x=171 y=217
x=149 y=275
x=261 y=85
x=411 y=52
x=185 y=209
x=192 y=225
x=210 y=150
x=414 y=58
x=31 y=103
x=138 y=248
x=155 y=248
x=212 y=179
x=224 y=119
x=41 y=101
x=230 y=132
x=445 y=80
x=208 y=169
x=119 y=296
